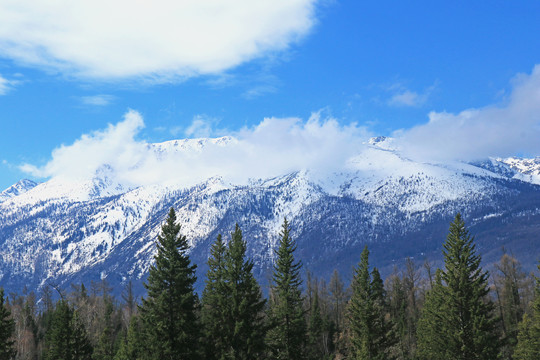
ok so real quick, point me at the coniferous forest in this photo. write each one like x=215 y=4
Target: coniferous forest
x=459 y=311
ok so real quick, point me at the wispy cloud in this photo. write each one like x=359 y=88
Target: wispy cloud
x=401 y=96
x=6 y=85
x=97 y=100
x=407 y=98
x=162 y=40
x=258 y=91
x=202 y=126
x=509 y=128
x=273 y=147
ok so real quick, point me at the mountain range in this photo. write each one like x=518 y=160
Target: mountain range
x=71 y=230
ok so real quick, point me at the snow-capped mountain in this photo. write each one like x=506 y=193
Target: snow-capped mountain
x=72 y=230
x=17 y=189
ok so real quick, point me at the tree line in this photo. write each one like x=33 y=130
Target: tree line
x=456 y=312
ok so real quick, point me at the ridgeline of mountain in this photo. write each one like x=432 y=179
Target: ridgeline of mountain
x=64 y=230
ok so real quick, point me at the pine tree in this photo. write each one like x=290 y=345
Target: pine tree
x=67 y=338
x=360 y=310
x=469 y=330
x=508 y=282
x=338 y=299
x=245 y=326
x=7 y=328
x=288 y=336
x=383 y=332
x=432 y=332
x=168 y=313
x=315 y=329
x=131 y=347
x=528 y=346
x=370 y=331
x=105 y=348
x=215 y=299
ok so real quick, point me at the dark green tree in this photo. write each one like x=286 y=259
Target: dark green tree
x=132 y=346
x=7 y=328
x=508 y=281
x=67 y=338
x=287 y=337
x=470 y=328
x=383 y=332
x=105 y=348
x=215 y=301
x=528 y=346
x=432 y=332
x=315 y=348
x=245 y=327
x=370 y=332
x=169 y=311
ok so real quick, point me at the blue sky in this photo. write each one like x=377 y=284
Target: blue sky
x=72 y=69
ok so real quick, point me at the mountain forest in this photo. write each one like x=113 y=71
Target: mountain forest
x=459 y=311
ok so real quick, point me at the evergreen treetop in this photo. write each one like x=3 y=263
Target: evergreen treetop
x=245 y=318
x=215 y=300
x=168 y=312
x=460 y=303
x=7 y=328
x=288 y=336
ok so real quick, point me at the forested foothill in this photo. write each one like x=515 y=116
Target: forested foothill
x=459 y=311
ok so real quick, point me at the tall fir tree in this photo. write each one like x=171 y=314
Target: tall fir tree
x=470 y=328
x=169 y=311
x=508 y=282
x=370 y=331
x=383 y=329
x=528 y=346
x=7 y=329
x=245 y=327
x=132 y=345
x=105 y=348
x=315 y=348
x=215 y=300
x=432 y=331
x=67 y=338
x=287 y=337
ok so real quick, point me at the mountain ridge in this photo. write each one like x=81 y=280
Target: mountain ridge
x=68 y=230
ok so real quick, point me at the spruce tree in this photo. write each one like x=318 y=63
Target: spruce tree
x=7 y=328
x=67 y=338
x=315 y=330
x=432 y=332
x=169 y=311
x=528 y=346
x=508 y=281
x=215 y=299
x=371 y=334
x=132 y=346
x=360 y=310
x=469 y=330
x=287 y=337
x=245 y=328
x=105 y=348
x=383 y=330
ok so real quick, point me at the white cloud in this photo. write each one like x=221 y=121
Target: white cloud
x=496 y=130
x=273 y=147
x=115 y=146
x=161 y=40
x=201 y=127
x=405 y=97
x=97 y=100
x=5 y=85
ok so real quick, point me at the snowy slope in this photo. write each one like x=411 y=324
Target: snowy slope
x=17 y=189
x=85 y=229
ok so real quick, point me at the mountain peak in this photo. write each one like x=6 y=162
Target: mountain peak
x=17 y=189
